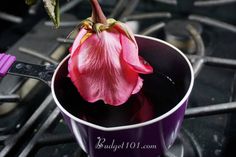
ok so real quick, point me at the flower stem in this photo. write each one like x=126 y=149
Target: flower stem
x=97 y=13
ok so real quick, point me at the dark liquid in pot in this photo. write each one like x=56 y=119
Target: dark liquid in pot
x=157 y=96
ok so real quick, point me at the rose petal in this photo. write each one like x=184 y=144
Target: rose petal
x=138 y=86
x=77 y=40
x=130 y=55
x=130 y=46
x=100 y=73
x=124 y=29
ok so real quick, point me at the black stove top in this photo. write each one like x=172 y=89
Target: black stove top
x=30 y=122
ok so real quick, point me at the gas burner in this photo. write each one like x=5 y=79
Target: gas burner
x=184 y=146
x=80 y=153
x=177 y=34
x=6 y=108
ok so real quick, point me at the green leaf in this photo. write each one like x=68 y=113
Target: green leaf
x=52 y=8
x=30 y=2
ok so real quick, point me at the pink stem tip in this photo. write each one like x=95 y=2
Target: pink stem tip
x=97 y=13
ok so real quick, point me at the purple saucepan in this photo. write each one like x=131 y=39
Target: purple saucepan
x=147 y=125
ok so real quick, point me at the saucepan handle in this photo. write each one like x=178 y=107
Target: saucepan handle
x=9 y=65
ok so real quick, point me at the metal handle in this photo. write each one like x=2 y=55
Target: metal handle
x=8 y=64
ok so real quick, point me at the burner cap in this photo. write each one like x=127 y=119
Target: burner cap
x=178 y=28
x=178 y=35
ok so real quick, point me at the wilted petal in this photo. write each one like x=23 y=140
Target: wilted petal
x=130 y=55
x=100 y=73
x=138 y=86
x=125 y=30
x=130 y=50
x=78 y=38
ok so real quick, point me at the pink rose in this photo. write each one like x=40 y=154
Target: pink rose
x=104 y=63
